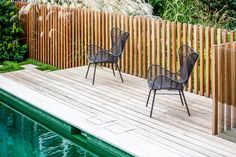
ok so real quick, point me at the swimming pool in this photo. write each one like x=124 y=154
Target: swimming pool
x=22 y=137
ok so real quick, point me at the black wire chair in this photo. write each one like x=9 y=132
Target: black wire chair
x=159 y=78
x=96 y=55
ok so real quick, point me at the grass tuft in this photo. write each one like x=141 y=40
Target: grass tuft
x=8 y=66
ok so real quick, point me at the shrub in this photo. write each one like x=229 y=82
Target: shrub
x=219 y=13
x=127 y=7
x=10 y=31
x=158 y=6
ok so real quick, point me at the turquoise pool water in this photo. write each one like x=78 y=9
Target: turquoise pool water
x=22 y=137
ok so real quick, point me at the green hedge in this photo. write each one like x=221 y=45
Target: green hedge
x=11 y=31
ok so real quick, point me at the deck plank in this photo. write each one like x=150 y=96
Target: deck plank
x=119 y=108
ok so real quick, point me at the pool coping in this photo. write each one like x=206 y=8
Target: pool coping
x=124 y=144
x=77 y=136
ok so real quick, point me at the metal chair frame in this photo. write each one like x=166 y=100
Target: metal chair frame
x=97 y=55
x=172 y=81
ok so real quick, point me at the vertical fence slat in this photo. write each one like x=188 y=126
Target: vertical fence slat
x=102 y=23
x=213 y=41
x=201 y=31
x=68 y=31
x=118 y=25
x=51 y=37
x=140 y=37
x=148 y=42
x=67 y=23
x=75 y=38
x=109 y=30
x=195 y=31
x=220 y=81
x=39 y=33
x=233 y=69
x=144 y=28
x=99 y=28
x=190 y=38
x=214 y=90
x=179 y=39
x=62 y=39
x=29 y=29
x=153 y=42
x=228 y=85
x=208 y=65
x=88 y=33
x=41 y=54
x=56 y=36
x=79 y=39
x=103 y=30
x=107 y=33
x=163 y=38
x=168 y=45
x=58 y=39
x=123 y=55
x=127 y=51
x=185 y=29
x=82 y=41
x=173 y=43
x=226 y=81
x=46 y=40
x=131 y=45
x=135 y=55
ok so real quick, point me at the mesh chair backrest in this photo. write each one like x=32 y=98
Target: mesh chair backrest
x=187 y=59
x=118 y=40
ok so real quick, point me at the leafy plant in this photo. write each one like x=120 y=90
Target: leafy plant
x=10 y=32
x=158 y=6
x=179 y=11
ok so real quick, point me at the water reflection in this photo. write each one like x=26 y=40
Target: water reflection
x=21 y=137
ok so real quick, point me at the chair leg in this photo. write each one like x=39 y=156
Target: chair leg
x=87 y=70
x=185 y=103
x=94 y=73
x=119 y=72
x=148 y=97
x=153 y=102
x=181 y=98
x=113 y=69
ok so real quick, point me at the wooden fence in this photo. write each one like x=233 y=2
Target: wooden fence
x=58 y=36
x=224 y=87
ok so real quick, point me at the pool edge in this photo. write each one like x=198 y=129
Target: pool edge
x=62 y=128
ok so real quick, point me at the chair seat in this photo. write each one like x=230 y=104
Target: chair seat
x=165 y=84
x=105 y=58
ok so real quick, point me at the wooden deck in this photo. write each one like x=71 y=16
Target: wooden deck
x=115 y=112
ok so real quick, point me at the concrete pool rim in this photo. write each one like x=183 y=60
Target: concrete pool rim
x=76 y=135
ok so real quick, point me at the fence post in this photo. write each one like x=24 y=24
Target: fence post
x=214 y=91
